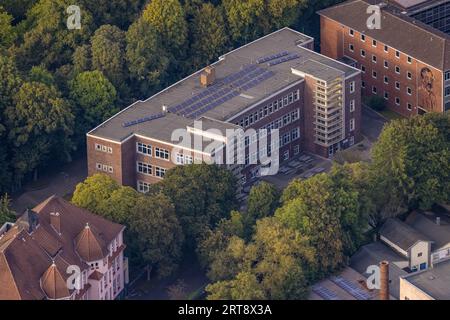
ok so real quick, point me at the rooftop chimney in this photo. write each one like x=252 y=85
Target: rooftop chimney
x=208 y=76
x=55 y=221
x=438 y=221
x=384 y=280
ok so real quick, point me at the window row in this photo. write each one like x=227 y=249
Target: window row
x=386 y=48
x=184 y=159
x=103 y=148
x=104 y=167
x=147 y=169
x=283 y=121
x=146 y=149
x=269 y=109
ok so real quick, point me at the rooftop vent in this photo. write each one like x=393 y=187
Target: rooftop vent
x=208 y=76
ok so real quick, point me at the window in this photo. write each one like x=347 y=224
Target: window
x=143 y=187
x=386 y=48
x=397 y=69
x=286 y=155
x=98 y=166
x=363 y=37
x=386 y=80
x=144 y=168
x=363 y=69
x=352 y=86
x=447 y=75
x=352 y=105
x=296 y=96
x=295 y=133
x=419 y=254
x=447 y=91
x=144 y=148
x=409 y=75
x=397 y=85
x=397 y=54
x=363 y=53
x=351 y=32
x=374 y=90
x=160 y=172
x=374 y=43
x=161 y=153
x=409 y=91
x=409 y=60
x=397 y=101
x=374 y=58
x=363 y=84
x=352 y=140
x=386 y=95
x=98 y=147
x=409 y=106
x=374 y=74
x=352 y=124
x=351 y=48
x=386 y=64
x=296 y=149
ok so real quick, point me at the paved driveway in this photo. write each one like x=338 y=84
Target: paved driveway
x=62 y=182
x=372 y=123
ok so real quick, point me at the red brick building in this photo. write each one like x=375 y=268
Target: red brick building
x=275 y=82
x=406 y=61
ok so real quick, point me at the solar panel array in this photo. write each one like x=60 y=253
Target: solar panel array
x=223 y=91
x=325 y=293
x=144 y=119
x=274 y=56
x=351 y=288
x=284 y=59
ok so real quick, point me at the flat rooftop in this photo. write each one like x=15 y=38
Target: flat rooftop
x=434 y=282
x=239 y=94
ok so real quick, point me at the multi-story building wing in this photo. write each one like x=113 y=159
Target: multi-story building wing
x=58 y=251
x=405 y=59
x=275 y=82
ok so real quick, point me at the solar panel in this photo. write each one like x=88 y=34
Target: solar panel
x=351 y=288
x=284 y=59
x=325 y=293
x=271 y=57
x=144 y=119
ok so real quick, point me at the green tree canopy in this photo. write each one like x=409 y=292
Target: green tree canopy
x=7 y=31
x=6 y=213
x=411 y=164
x=327 y=213
x=262 y=201
x=277 y=264
x=40 y=126
x=158 y=234
x=95 y=96
x=93 y=192
x=168 y=19
x=147 y=60
x=108 y=53
x=202 y=194
x=208 y=35
x=47 y=39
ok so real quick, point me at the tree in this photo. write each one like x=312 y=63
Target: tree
x=323 y=211
x=208 y=37
x=6 y=214
x=277 y=264
x=40 y=127
x=9 y=83
x=47 y=39
x=262 y=202
x=18 y=8
x=242 y=17
x=159 y=236
x=82 y=59
x=40 y=74
x=93 y=192
x=8 y=33
x=411 y=164
x=168 y=20
x=95 y=96
x=147 y=60
x=202 y=194
x=108 y=54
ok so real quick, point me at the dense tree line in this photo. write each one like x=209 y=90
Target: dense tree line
x=125 y=50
